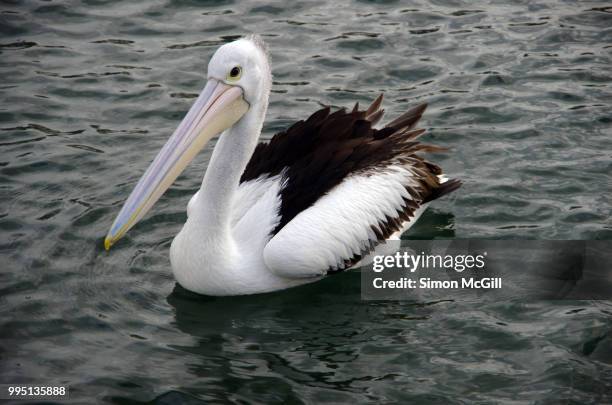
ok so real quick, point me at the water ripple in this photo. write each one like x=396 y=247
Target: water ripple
x=519 y=92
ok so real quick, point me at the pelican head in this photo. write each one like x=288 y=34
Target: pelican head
x=238 y=76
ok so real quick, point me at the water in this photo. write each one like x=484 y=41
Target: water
x=90 y=91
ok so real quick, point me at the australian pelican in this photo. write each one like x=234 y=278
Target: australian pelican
x=314 y=200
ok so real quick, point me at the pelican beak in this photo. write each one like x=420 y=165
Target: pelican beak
x=218 y=107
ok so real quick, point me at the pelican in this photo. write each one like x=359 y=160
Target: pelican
x=316 y=199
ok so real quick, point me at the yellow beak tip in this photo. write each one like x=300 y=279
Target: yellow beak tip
x=107 y=243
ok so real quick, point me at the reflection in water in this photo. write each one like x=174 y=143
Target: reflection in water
x=307 y=335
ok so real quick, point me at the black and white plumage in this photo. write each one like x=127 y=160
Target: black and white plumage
x=312 y=201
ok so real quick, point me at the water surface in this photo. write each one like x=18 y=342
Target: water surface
x=520 y=92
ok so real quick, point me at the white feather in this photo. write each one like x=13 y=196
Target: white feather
x=338 y=225
x=210 y=264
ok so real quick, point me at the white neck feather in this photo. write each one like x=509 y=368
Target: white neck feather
x=227 y=163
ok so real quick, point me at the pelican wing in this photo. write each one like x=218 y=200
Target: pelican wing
x=346 y=187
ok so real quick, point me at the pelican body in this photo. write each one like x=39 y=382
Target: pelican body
x=316 y=199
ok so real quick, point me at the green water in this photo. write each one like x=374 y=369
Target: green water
x=89 y=91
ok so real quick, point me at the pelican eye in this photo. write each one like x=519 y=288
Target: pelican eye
x=235 y=73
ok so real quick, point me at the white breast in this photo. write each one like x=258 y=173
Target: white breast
x=211 y=262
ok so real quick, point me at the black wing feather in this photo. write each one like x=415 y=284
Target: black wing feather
x=315 y=155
